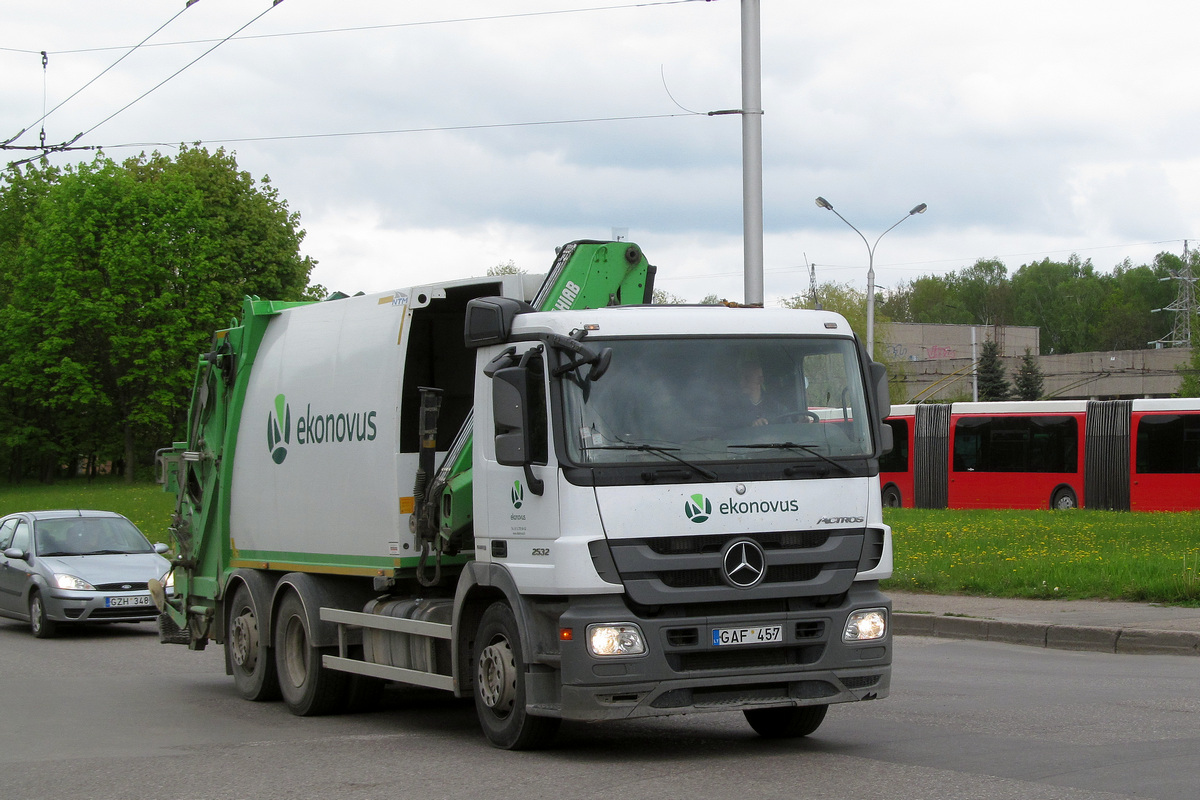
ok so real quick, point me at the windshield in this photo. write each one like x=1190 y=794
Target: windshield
x=711 y=400
x=81 y=536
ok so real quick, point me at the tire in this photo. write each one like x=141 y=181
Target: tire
x=248 y=656
x=41 y=625
x=307 y=687
x=788 y=722
x=500 y=685
x=891 y=497
x=1063 y=499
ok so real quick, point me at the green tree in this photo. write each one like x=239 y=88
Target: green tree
x=114 y=280
x=993 y=385
x=1189 y=386
x=1029 y=380
x=1065 y=300
x=662 y=297
x=508 y=268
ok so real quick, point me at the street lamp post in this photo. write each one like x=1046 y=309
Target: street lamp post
x=823 y=203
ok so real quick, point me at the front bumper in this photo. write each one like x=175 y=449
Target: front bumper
x=684 y=672
x=99 y=606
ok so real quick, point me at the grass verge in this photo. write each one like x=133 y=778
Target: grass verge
x=1074 y=554
x=145 y=504
x=1040 y=554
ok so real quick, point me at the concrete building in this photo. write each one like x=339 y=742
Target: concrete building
x=934 y=363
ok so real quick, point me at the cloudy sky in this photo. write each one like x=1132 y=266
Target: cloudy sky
x=430 y=140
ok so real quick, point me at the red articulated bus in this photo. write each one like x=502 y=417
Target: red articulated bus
x=1139 y=455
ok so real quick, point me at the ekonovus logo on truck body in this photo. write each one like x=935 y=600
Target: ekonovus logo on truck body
x=318 y=428
x=699 y=508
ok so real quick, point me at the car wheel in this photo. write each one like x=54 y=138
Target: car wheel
x=308 y=688
x=42 y=626
x=789 y=722
x=500 y=685
x=1063 y=500
x=247 y=654
x=891 y=497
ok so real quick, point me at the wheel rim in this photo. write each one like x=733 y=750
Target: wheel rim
x=497 y=677
x=243 y=640
x=295 y=652
x=35 y=613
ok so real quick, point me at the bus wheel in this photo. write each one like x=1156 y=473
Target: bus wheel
x=500 y=685
x=789 y=722
x=891 y=497
x=1063 y=499
x=308 y=688
x=247 y=654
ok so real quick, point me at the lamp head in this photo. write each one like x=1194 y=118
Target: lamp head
x=918 y=210
x=823 y=203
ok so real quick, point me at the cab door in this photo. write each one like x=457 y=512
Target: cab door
x=13 y=571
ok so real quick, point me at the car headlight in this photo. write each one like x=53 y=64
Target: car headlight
x=64 y=581
x=620 y=639
x=168 y=580
x=865 y=625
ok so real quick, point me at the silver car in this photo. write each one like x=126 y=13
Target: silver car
x=61 y=567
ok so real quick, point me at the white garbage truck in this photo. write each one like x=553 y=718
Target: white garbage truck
x=567 y=503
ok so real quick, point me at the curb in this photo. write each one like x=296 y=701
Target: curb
x=1057 y=637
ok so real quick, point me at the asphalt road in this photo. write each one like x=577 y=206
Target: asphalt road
x=111 y=713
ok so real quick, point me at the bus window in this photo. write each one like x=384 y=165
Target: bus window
x=1016 y=444
x=1168 y=443
x=897 y=459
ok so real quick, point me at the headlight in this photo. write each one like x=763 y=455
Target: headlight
x=65 y=581
x=866 y=625
x=168 y=580
x=619 y=639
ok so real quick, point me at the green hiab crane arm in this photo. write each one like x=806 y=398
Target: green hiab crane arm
x=585 y=274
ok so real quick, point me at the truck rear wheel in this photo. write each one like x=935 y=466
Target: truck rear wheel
x=789 y=722
x=308 y=688
x=248 y=656
x=500 y=685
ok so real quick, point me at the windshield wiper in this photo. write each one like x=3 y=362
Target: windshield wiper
x=106 y=553
x=807 y=448
x=658 y=450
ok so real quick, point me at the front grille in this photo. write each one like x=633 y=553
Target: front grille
x=861 y=682
x=139 y=612
x=714 y=543
x=124 y=586
x=736 y=695
x=748 y=658
x=675 y=570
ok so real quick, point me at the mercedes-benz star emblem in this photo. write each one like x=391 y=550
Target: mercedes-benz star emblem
x=744 y=563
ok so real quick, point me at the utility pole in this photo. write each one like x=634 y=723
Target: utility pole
x=1184 y=305
x=752 y=191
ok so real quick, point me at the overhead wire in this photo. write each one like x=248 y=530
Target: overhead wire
x=128 y=52
x=174 y=74
x=385 y=26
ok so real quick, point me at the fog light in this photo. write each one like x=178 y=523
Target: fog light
x=616 y=640
x=866 y=625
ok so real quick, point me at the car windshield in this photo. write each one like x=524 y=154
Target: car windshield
x=712 y=400
x=81 y=536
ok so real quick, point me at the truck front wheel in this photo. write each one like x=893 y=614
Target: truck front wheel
x=500 y=685
x=248 y=656
x=785 y=723
x=308 y=688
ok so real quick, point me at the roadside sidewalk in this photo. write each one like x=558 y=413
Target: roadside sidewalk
x=1098 y=625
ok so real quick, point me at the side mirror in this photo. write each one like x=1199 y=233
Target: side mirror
x=882 y=398
x=17 y=553
x=887 y=440
x=489 y=320
x=161 y=548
